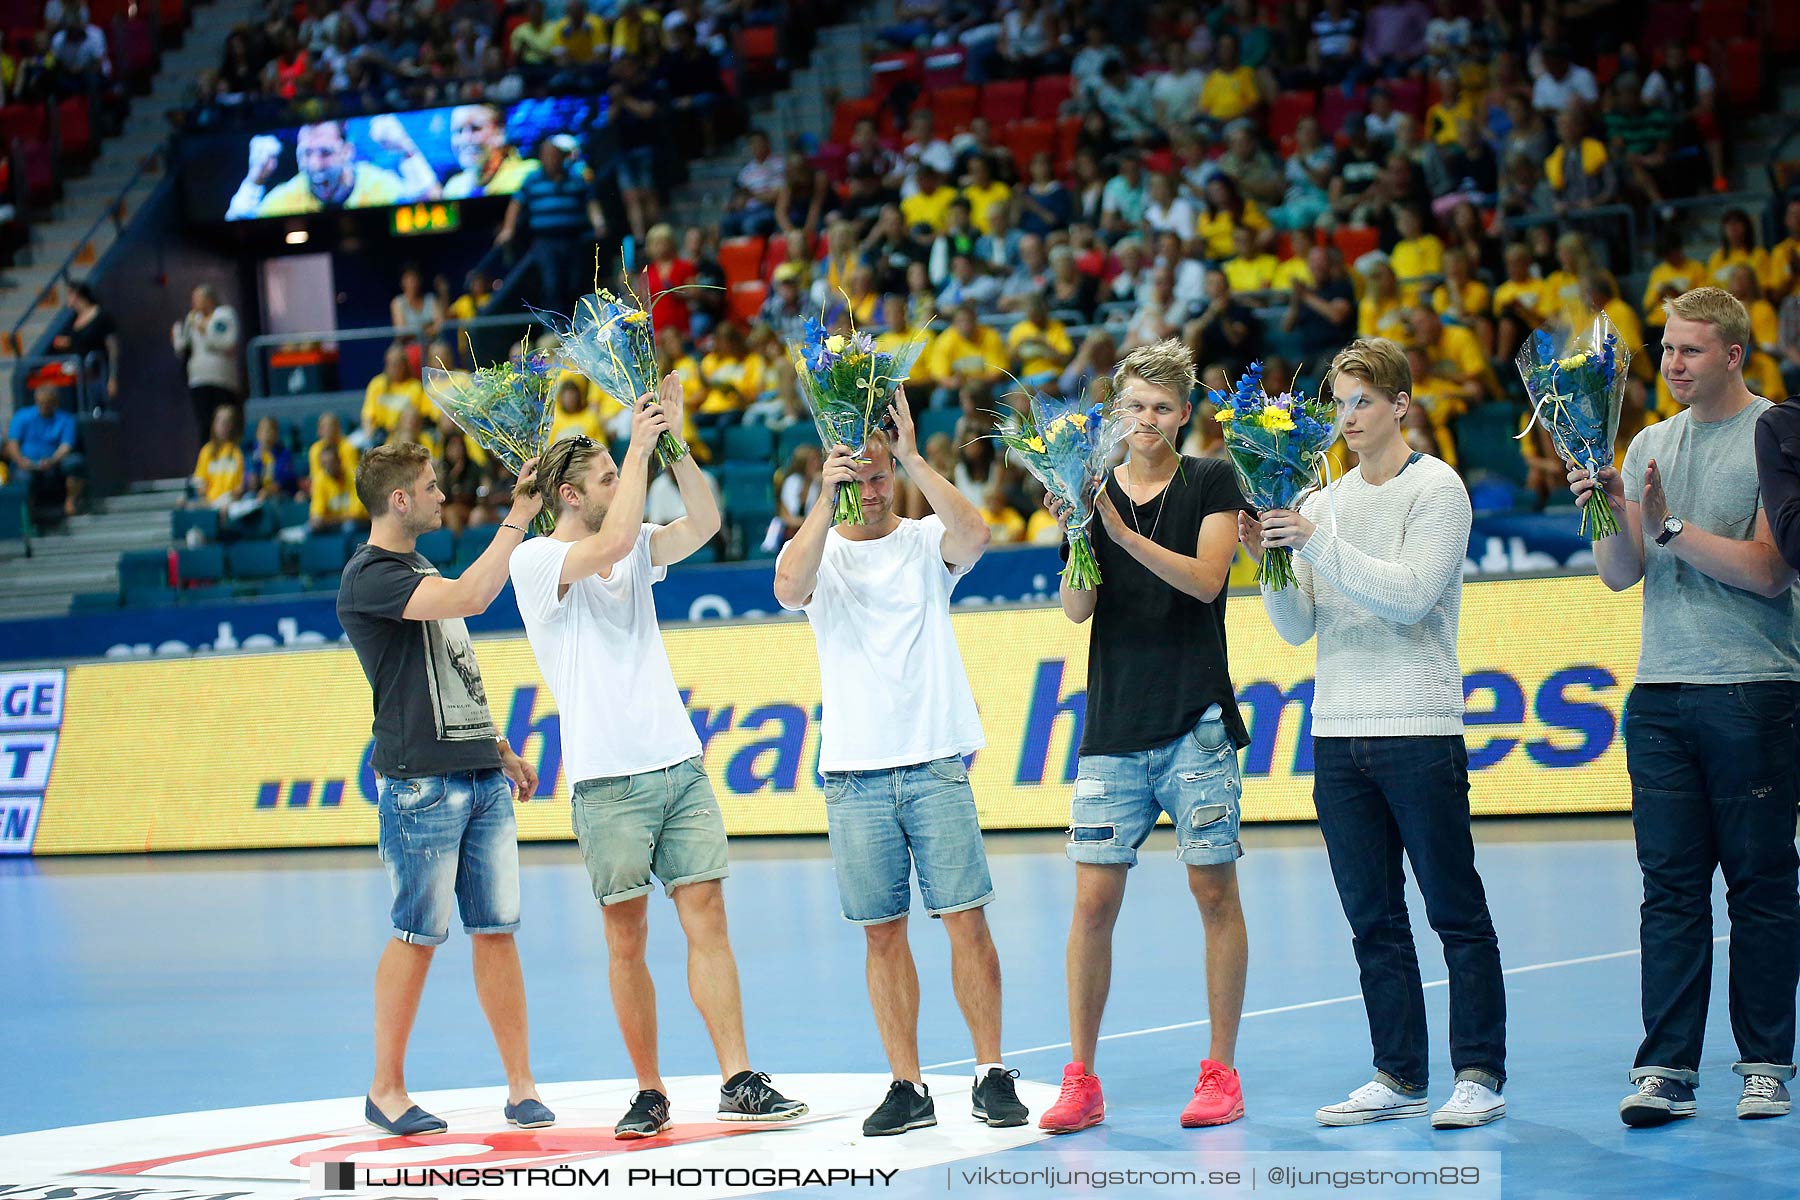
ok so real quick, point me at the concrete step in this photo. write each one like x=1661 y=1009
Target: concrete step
x=47 y=580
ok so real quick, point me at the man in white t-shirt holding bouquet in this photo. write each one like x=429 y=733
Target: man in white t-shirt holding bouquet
x=898 y=722
x=643 y=805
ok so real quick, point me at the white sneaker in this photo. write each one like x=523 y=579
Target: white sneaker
x=1470 y=1105
x=1373 y=1101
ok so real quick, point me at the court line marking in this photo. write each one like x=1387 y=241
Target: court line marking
x=1288 y=1008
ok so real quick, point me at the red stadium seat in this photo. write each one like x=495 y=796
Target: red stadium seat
x=1719 y=20
x=1668 y=21
x=1335 y=108
x=37 y=171
x=1048 y=94
x=1742 y=74
x=171 y=18
x=944 y=68
x=75 y=133
x=1408 y=95
x=1782 y=27
x=745 y=300
x=849 y=112
x=890 y=71
x=26 y=121
x=1355 y=242
x=1068 y=133
x=952 y=109
x=833 y=158
x=741 y=258
x=1027 y=139
x=104 y=12
x=136 y=51
x=1003 y=101
x=1287 y=111
x=758 y=52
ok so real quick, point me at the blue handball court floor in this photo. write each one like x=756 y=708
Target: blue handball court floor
x=187 y=1026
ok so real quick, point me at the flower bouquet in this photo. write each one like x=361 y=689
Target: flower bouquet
x=506 y=407
x=1067 y=445
x=613 y=343
x=1576 y=380
x=849 y=384
x=1278 y=448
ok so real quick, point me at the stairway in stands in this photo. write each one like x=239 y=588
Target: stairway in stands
x=82 y=553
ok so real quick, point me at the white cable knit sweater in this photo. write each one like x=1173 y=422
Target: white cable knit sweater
x=1380 y=584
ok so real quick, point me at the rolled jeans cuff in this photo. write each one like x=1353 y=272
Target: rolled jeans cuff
x=1781 y=1071
x=1486 y=1079
x=1678 y=1074
x=1414 y=1090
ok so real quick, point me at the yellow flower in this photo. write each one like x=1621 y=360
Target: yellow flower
x=637 y=316
x=1224 y=415
x=836 y=343
x=1574 y=362
x=1276 y=420
x=1035 y=444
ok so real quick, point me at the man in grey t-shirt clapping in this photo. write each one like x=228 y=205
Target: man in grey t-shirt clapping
x=1710 y=725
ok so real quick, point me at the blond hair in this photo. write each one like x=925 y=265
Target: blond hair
x=390 y=467
x=1167 y=364
x=1378 y=362
x=566 y=461
x=1718 y=308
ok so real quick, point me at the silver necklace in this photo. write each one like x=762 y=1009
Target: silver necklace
x=1157 y=522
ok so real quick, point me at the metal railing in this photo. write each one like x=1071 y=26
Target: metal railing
x=115 y=212
x=73 y=375
x=258 y=349
x=1589 y=217
x=1753 y=203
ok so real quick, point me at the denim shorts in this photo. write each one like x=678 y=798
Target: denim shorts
x=664 y=822
x=450 y=836
x=1118 y=798
x=885 y=822
x=636 y=168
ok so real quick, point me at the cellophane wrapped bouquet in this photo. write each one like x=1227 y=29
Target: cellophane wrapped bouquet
x=1576 y=379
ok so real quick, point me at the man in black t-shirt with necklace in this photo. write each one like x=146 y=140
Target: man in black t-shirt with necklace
x=447 y=781
x=1162 y=729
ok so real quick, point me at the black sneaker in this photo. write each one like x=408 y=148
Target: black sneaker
x=903 y=1109
x=1657 y=1102
x=1764 y=1096
x=754 y=1099
x=996 y=1101
x=647 y=1116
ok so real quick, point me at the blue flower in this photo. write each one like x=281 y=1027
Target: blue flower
x=812 y=342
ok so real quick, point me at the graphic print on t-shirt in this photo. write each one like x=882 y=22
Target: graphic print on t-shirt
x=458 y=699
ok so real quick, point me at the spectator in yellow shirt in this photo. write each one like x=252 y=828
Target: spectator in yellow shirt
x=634 y=26
x=1444 y=120
x=1765 y=333
x=391 y=393
x=533 y=42
x=983 y=191
x=1521 y=302
x=1418 y=254
x=472 y=303
x=898 y=331
x=1673 y=274
x=412 y=428
x=219 y=471
x=1737 y=244
x=1039 y=343
x=1249 y=269
x=1454 y=356
x=1226 y=209
x=580 y=37
x=1437 y=403
x=335 y=503
x=732 y=375
x=1782 y=274
x=1464 y=299
x=1567 y=293
x=1005 y=525
x=967 y=352
x=330 y=432
x=930 y=205
x=574 y=415
x=1382 y=309
x=1231 y=91
x=1603 y=297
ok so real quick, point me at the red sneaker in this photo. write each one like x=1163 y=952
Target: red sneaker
x=1218 y=1097
x=1080 y=1106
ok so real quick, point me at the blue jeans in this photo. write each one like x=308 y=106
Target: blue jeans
x=667 y=822
x=1712 y=787
x=1118 y=798
x=1383 y=802
x=884 y=823
x=450 y=839
x=560 y=263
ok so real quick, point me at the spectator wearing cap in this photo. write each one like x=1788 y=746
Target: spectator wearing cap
x=1562 y=83
x=785 y=308
x=968 y=286
x=40 y=445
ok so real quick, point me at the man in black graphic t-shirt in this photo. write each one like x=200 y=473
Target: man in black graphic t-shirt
x=447 y=782
x=1162 y=729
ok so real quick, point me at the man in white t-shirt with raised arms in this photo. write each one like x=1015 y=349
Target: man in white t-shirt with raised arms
x=898 y=722
x=642 y=803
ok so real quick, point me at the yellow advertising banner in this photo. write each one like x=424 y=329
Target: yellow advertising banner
x=261 y=750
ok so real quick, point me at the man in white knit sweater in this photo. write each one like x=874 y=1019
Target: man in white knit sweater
x=1378 y=562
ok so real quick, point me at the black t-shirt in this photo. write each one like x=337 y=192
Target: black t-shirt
x=1316 y=334
x=1156 y=655
x=431 y=714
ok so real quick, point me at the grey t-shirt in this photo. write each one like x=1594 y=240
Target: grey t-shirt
x=1696 y=629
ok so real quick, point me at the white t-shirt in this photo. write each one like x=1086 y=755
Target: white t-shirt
x=1554 y=95
x=892 y=681
x=602 y=655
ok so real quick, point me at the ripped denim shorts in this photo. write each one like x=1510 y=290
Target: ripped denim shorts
x=1119 y=797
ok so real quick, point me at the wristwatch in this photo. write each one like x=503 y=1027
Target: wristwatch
x=1671 y=528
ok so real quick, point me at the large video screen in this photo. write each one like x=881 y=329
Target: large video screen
x=458 y=152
